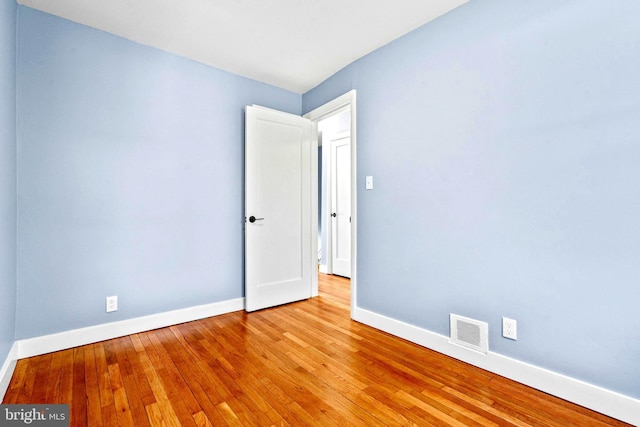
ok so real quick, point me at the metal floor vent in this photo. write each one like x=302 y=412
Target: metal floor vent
x=469 y=333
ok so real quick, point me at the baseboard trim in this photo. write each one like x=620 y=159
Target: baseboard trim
x=323 y=268
x=6 y=372
x=77 y=337
x=601 y=400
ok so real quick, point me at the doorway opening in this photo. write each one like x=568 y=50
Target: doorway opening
x=334 y=194
x=337 y=195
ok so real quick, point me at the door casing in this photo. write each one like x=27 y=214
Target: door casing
x=339 y=104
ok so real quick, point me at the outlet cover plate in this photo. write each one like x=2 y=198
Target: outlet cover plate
x=112 y=303
x=509 y=328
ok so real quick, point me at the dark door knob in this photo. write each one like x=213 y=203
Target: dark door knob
x=253 y=219
x=334 y=214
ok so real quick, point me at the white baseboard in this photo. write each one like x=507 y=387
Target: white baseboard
x=6 y=372
x=324 y=269
x=77 y=337
x=590 y=396
x=593 y=397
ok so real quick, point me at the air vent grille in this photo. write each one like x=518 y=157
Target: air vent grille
x=469 y=333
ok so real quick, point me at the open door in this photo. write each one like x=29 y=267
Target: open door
x=278 y=208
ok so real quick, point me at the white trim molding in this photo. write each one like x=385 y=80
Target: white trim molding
x=599 y=399
x=339 y=104
x=91 y=334
x=6 y=372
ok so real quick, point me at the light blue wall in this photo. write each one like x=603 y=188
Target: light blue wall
x=7 y=176
x=130 y=177
x=504 y=139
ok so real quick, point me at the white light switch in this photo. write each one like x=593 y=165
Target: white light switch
x=368 y=183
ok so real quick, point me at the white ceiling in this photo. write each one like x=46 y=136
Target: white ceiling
x=292 y=44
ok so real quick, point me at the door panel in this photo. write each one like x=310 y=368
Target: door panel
x=341 y=206
x=278 y=195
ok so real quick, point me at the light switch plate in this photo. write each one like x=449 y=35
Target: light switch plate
x=368 y=183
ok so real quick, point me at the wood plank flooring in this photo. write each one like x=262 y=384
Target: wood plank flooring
x=302 y=364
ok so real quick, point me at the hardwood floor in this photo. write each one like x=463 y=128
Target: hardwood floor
x=301 y=364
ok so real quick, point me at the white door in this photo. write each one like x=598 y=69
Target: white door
x=341 y=205
x=278 y=193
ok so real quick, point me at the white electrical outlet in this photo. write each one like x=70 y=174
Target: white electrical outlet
x=112 y=303
x=509 y=328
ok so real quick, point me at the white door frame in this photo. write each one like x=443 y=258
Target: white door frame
x=341 y=103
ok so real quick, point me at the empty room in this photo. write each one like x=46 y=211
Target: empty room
x=320 y=213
